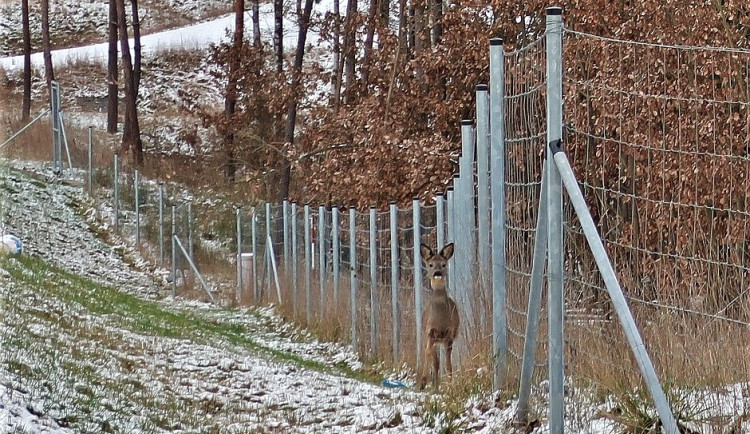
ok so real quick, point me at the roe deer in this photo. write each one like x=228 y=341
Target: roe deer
x=440 y=317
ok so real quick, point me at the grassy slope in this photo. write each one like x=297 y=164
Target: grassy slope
x=59 y=343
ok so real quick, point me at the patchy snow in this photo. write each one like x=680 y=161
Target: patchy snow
x=227 y=385
x=197 y=36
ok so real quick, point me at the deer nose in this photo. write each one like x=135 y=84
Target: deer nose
x=438 y=273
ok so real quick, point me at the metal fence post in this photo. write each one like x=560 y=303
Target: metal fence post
x=295 y=257
x=395 y=279
x=374 y=310
x=497 y=203
x=336 y=248
x=269 y=252
x=174 y=254
x=321 y=240
x=137 y=207
x=614 y=290
x=440 y=219
x=555 y=227
x=238 y=218
x=463 y=209
x=91 y=158
x=535 y=302
x=450 y=226
x=308 y=266
x=483 y=184
x=417 y=259
x=353 y=285
x=190 y=230
x=161 y=223
x=285 y=222
x=116 y=188
x=254 y=248
x=56 y=127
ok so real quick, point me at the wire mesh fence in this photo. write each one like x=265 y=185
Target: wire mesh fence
x=658 y=137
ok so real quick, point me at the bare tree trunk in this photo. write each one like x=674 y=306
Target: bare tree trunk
x=113 y=99
x=230 y=99
x=26 y=110
x=278 y=33
x=256 y=23
x=397 y=57
x=131 y=131
x=336 y=77
x=347 y=68
x=385 y=10
x=136 y=47
x=437 y=21
x=372 y=19
x=291 y=119
x=421 y=35
x=49 y=73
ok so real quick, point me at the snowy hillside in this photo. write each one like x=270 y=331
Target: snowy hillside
x=92 y=342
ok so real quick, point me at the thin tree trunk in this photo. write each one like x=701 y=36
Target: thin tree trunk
x=347 y=69
x=26 y=109
x=372 y=19
x=336 y=77
x=136 y=47
x=385 y=11
x=113 y=99
x=256 y=23
x=49 y=73
x=421 y=35
x=278 y=34
x=291 y=120
x=230 y=100
x=396 y=58
x=437 y=21
x=131 y=132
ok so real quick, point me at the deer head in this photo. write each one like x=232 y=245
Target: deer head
x=436 y=265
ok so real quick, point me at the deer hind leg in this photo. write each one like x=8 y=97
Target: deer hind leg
x=429 y=356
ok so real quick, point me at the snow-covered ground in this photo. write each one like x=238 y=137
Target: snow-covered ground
x=73 y=361
x=197 y=36
x=229 y=385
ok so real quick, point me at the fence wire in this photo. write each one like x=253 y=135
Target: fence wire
x=659 y=138
x=525 y=140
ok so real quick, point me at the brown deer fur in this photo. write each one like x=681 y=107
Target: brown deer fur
x=440 y=317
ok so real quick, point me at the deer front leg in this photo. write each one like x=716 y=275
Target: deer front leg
x=429 y=354
x=448 y=362
x=435 y=364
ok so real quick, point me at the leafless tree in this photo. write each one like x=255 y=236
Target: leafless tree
x=112 y=73
x=291 y=120
x=349 y=50
x=131 y=139
x=256 y=23
x=230 y=99
x=26 y=110
x=49 y=73
x=278 y=33
x=336 y=76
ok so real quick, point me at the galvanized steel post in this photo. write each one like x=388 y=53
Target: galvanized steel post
x=394 y=279
x=497 y=200
x=555 y=228
x=374 y=310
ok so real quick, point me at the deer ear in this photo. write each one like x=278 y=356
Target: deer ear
x=447 y=251
x=425 y=251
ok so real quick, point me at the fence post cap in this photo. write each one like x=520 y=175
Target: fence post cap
x=496 y=41
x=554 y=10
